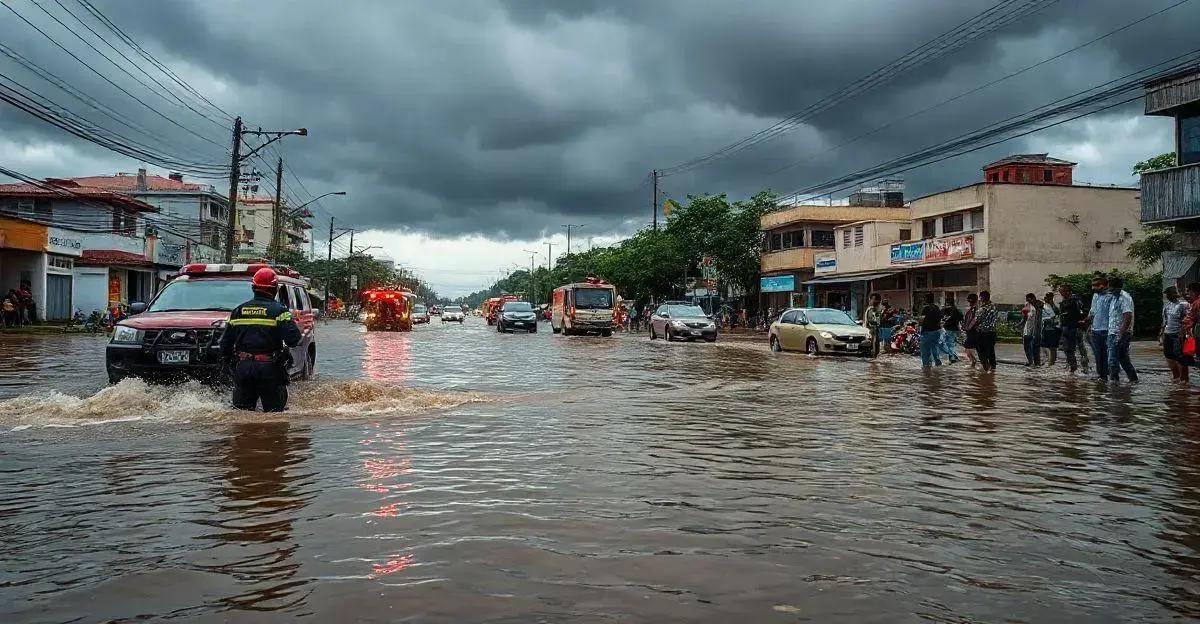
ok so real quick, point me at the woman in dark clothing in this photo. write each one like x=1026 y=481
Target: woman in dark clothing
x=985 y=328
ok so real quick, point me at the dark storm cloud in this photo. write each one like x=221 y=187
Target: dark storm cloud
x=509 y=118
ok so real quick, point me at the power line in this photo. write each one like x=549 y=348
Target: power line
x=994 y=18
x=980 y=87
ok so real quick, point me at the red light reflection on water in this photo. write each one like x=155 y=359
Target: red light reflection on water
x=387 y=356
x=391 y=566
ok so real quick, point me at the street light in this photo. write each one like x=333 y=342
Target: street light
x=297 y=209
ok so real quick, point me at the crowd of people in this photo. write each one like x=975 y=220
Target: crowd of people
x=18 y=306
x=1058 y=321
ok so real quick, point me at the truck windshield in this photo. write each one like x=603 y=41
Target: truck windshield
x=212 y=294
x=593 y=298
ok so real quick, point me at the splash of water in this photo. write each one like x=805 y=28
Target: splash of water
x=135 y=400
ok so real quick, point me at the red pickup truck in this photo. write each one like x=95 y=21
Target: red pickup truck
x=178 y=334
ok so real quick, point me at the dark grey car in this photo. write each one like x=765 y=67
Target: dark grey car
x=682 y=321
x=516 y=315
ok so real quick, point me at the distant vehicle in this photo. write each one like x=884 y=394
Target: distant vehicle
x=453 y=314
x=491 y=308
x=420 y=314
x=682 y=321
x=178 y=334
x=583 y=307
x=435 y=310
x=515 y=315
x=819 y=330
x=387 y=309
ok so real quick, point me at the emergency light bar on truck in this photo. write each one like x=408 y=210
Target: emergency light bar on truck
x=225 y=269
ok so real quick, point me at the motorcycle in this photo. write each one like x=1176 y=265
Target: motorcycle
x=906 y=339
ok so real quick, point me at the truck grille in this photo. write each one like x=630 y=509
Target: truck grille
x=181 y=337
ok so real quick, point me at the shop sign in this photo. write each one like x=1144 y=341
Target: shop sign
x=908 y=253
x=64 y=242
x=825 y=262
x=777 y=283
x=951 y=248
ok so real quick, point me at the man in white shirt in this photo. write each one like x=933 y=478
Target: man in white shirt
x=1120 y=331
x=1097 y=322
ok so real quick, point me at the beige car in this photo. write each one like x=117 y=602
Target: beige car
x=819 y=330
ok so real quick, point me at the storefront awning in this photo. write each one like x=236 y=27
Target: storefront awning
x=1176 y=265
x=842 y=279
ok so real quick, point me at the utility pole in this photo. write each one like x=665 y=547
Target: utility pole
x=352 y=242
x=277 y=216
x=235 y=173
x=549 y=260
x=329 y=259
x=569 y=226
x=532 y=284
x=654 y=198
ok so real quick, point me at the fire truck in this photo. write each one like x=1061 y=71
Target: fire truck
x=583 y=307
x=491 y=307
x=388 y=309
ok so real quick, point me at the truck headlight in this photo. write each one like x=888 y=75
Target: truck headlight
x=123 y=334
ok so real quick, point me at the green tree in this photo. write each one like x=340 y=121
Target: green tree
x=1162 y=161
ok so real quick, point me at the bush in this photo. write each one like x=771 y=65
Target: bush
x=1146 y=291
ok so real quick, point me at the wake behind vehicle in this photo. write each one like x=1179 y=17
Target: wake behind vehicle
x=516 y=315
x=453 y=314
x=178 y=334
x=388 y=309
x=683 y=321
x=819 y=330
x=583 y=307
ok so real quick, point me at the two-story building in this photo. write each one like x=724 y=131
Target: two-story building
x=795 y=236
x=192 y=217
x=1027 y=220
x=1171 y=197
x=77 y=247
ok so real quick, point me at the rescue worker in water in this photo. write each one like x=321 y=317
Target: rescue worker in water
x=256 y=341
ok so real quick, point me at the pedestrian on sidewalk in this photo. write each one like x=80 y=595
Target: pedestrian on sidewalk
x=1071 y=315
x=951 y=322
x=1175 y=310
x=1031 y=330
x=931 y=332
x=1051 y=328
x=1120 y=331
x=970 y=330
x=872 y=320
x=1097 y=320
x=985 y=326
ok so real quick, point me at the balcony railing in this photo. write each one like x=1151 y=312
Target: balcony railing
x=1171 y=194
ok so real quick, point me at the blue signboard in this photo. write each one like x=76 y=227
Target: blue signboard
x=908 y=252
x=777 y=283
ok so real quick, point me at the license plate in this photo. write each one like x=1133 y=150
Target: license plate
x=696 y=333
x=173 y=357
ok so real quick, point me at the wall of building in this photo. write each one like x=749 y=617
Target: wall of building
x=797 y=258
x=875 y=252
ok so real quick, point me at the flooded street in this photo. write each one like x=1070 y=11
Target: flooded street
x=453 y=474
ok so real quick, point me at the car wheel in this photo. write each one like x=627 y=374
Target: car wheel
x=713 y=339
x=811 y=347
x=310 y=366
x=533 y=330
x=653 y=336
x=668 y=334
x=775 y=346
x=606 y=333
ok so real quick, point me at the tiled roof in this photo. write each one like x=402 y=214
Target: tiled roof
x=128 y=183
x=71 y=189
x=112 y=257
x=1029 y=159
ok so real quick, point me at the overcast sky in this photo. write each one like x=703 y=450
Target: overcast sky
x=468 y=132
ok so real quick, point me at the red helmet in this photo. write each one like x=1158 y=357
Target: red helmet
x=264 y=278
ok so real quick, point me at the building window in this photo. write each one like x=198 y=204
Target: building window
x=1189 y=139
x=993 y=177
x=792 y=239
x=124 y=222
x=858 y=236
x=1047 y=175
x=61 y=262
x=1024 y=173
x=845 y=238
x=776 y=242
x=822 y=238
x=977 y=219
x=906 y=235
x=1007 y=178
x=787 y=240
x=955 y=277
x=952 y=223
x=928 y=228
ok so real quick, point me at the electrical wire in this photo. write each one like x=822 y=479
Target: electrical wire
x=990 y=20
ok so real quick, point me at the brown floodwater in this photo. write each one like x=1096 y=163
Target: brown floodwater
x=453 y=474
